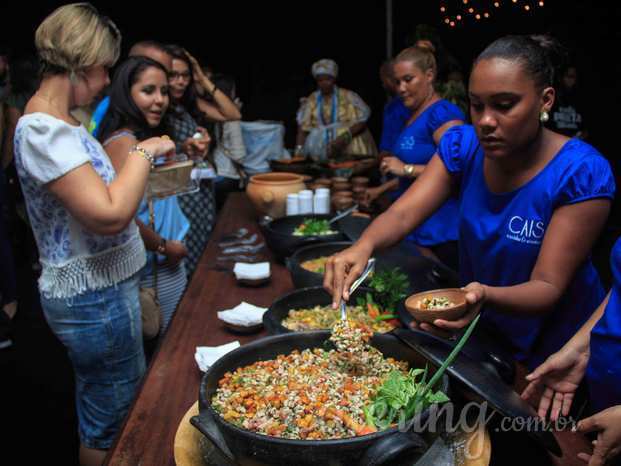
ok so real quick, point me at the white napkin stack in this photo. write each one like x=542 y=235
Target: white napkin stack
x=246 y=271
x=206 y=355
x=244 y=314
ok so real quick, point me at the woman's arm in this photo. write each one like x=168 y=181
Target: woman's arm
x=222 y=108
x=107 y=210
x=567 y=242
x=419 y=202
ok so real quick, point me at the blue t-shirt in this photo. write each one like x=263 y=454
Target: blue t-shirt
x=501 y=235
x=604 y=370
x=98 y=115
x=170 y=223
x=396 y=114
x=415 y=145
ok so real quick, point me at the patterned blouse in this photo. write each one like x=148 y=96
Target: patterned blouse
x=73 y=259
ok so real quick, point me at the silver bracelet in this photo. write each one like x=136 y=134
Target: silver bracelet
x=148 y=156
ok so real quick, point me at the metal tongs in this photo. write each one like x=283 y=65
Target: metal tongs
x=365 y=273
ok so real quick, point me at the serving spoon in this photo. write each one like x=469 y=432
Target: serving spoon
x=365 y=273
x=343 y=214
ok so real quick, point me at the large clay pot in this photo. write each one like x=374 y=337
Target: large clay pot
x=268 y=191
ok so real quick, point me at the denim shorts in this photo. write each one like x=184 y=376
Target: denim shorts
x=102 y=332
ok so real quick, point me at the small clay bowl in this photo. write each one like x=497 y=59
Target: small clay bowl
x=358 y=191
x=342 y=194
x=341 y=203
x=455 y=295
x=341 y=186
x=360 y=181
x=327 y=182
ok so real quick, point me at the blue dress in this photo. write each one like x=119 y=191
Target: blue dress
x=396 y=115
x=501 y=235
x=415 y=145
x=604 y=370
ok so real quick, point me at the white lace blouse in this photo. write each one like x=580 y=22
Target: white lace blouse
x=73 y=259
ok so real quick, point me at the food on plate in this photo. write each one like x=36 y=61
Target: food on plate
x=314 y=394
x=440 y=302
x=315 y=265
x=324 y=317
x=313 y=227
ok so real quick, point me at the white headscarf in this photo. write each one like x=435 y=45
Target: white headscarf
x=325 y=66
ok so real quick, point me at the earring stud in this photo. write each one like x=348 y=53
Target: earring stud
x=544 y=116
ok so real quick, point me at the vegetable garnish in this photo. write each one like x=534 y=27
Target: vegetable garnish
x=313 y=227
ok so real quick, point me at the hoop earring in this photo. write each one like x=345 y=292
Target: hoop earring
x=544 y=116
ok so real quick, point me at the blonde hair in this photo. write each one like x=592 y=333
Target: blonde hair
x=421 y=57
x=75 y=37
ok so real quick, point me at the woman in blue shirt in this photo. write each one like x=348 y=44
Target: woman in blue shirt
x=533 y=202
x=138 y=102
x=595 y=351
x=430 y=117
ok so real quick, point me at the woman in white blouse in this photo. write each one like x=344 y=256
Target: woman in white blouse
x=82 y=213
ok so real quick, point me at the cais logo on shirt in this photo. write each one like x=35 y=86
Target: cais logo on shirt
x=407 y=142
x=524 y=230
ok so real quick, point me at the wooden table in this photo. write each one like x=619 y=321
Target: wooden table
x=171 y=384
x=172 y=381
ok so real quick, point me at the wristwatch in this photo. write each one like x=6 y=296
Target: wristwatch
x=408 y=169
x=161 y=248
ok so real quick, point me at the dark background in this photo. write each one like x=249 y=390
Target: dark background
x=269 y=48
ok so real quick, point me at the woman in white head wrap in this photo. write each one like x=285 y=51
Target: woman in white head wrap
x=332 y=120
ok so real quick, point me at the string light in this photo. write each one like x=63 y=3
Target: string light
x=457 y=13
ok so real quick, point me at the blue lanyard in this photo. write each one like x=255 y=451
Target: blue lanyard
x=333 y=117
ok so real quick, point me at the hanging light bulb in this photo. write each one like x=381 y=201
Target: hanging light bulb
x=477 y=16
x=470 y=10
x=496 y=4
x=458 y=17
x=540 y=3
x=452 y=23
x=486 y=14
x=446 y=20
x=442 y=9
x=526 y=7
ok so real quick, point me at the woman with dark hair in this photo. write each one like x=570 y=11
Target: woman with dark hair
x=533 y=202
x=186 y=111
x=138 y=102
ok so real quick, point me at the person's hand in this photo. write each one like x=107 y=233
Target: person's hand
x=175 y=251
x=197 y=73
x=342 y=269
x=392 y=165
x=158 y=146
x=197 y=148
x=475 y=298
x=370 y=195
x=607 y=424
x=559 y=377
